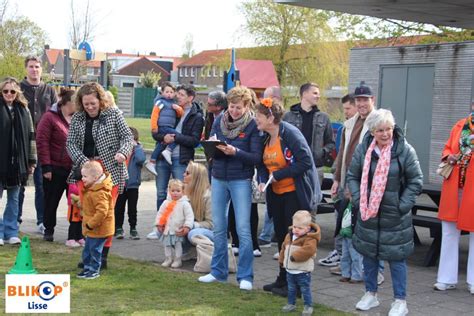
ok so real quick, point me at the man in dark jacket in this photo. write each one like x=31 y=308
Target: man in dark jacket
x=40 y=97
x=314 y=124
x=216 y=104
x=189 y=128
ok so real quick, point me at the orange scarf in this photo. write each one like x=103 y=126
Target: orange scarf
x=167 y=213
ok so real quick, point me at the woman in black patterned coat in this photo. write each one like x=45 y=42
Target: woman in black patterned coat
x=98 y=131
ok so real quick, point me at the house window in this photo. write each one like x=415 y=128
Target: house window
x=221 y=72
x=208 y=71
x=203 y=72
x=181 y=71
x=192 y=72
x=214 y=71
x=186 y=71
x=128 y=85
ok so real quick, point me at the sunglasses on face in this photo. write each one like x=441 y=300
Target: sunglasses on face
x=9 y=91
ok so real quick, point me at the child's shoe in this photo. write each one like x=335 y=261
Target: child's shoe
x=167 y=155
x=81 y=242
x=119 y=233
x=150 y=166
x=177 y=263
x=307 y=310
x=167 y=262
x=71 y=243
x=288 y=308
x=82 y=274
x=91 y=275
x=134 y=234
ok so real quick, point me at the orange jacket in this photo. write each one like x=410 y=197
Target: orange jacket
x=98 y=209
x=449 y=208
x=155 y=115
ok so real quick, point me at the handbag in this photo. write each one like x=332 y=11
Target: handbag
x=257 y=196
x=444 y=169
x=204 y=250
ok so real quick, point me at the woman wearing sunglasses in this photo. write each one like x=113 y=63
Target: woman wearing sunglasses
x=18 y=154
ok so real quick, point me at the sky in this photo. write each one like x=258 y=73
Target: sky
x=142 y=26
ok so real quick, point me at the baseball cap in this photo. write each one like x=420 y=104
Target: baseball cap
x=363 y=90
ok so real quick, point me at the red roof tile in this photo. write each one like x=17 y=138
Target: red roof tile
x=141 y=65
x=207 y=57
x=257 y=74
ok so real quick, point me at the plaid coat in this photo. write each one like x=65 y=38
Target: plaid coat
x=111 y=135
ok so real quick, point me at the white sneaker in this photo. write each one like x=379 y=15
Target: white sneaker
x=276 y=256
x=245 y=285
x=367 y=302
x=331 y=260
x=14 y=241
x=208 y=278
x=167 y=155
x=257 y=253
x=150 y=166
x=1 y=242
x=399 y=308
x=444 y=286
x=41 y=229
x=153 y=235
x=235 y=251
x=469 y=287
x=380 y=278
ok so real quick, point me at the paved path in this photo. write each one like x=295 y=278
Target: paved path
x=422 y=299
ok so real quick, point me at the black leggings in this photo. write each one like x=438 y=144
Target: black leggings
x=132 y=196
x=53 y=191
x=253 y=226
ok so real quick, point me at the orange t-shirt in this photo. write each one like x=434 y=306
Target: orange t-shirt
x=274 y=160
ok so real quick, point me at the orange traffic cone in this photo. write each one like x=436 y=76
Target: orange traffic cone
x=23 y=262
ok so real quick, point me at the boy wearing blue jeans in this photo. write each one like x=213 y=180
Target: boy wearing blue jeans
x=297 y=257
x=98 y=216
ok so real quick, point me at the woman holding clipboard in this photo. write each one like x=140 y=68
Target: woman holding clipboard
x=232 y=171
x=288 y=176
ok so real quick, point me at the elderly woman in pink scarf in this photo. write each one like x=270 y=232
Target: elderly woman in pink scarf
x=384 y=179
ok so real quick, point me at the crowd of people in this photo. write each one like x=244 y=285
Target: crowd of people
x=79 y=142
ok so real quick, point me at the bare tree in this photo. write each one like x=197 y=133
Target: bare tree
x=3 y=10
x=82 y=30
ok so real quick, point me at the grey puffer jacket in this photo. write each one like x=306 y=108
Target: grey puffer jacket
x=389 y=235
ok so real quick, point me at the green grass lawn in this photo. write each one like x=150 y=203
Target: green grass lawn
x=140 y=288
x=144 y=130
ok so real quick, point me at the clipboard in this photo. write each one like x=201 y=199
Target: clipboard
x=211 y=150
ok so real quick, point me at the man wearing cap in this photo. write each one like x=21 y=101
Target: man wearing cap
x=355 y=129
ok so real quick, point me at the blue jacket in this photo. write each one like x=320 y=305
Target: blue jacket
x=135 y=167
x=167 y=113
x=249 y=153
x=301 y=167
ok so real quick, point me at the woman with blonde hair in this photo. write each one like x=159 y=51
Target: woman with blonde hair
x=99 y=132
x=196 y=187
x=17 y=154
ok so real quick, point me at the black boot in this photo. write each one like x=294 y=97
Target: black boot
x=105 y=253
x=279 y=282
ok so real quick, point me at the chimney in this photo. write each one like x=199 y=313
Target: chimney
x=46 y=46
x=152 y=53
x=118 y=51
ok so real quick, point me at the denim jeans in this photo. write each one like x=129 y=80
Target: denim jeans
x=303 y=281
x=267 y=230
x=39 y=196
x=240 y=192
x=8 y=222
x=201 y=231
x=92 y=253
x=351 y=261
x=398 y=271
x=159 y=147
x=164 y=171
